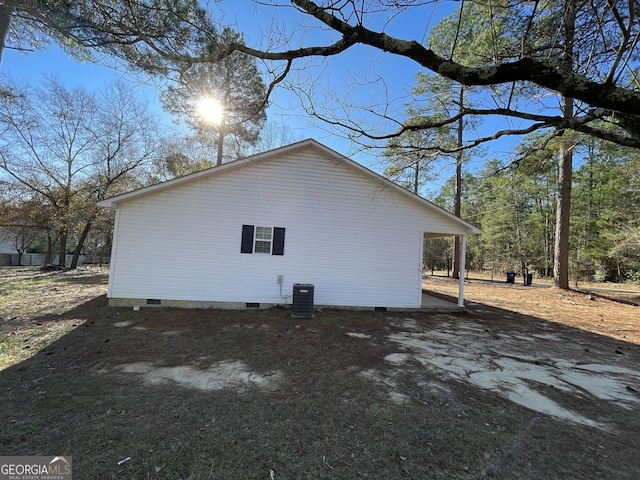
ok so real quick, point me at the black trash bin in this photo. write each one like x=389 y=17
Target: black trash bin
x=528 y=279
x=511 y=277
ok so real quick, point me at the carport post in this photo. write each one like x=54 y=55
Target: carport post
x=463 y=256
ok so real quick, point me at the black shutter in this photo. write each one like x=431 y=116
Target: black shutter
x=278 y=241
x=247 y=239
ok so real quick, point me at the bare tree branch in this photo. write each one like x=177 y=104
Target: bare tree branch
x=528 y=69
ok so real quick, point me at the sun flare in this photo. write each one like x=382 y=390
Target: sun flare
x=210 y=110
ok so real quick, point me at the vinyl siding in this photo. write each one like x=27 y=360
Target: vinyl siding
x=357 y=242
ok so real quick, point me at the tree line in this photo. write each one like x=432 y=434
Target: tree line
x=514 y=204
x=64 y=149
x=565 y=71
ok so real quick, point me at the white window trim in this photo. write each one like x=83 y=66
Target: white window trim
x=262 y=240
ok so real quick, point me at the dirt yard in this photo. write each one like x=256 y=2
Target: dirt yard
x=596 y=308
x=529 y=383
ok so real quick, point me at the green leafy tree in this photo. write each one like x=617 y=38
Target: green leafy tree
x=142 y=33
x=524 y=47
x=440 y=103
x=436 y=254
x=410 y=161
x=529 y=45
x=514 y=206
x=605 y=211
x=494 y=217
x=627 y=253
x=236 y=84
x=176 y=157
x=626 y=250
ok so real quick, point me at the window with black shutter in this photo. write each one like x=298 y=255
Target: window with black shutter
x=247 y=239
x=265 y=240
x=278 y=241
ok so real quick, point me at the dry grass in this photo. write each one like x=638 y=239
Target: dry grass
x=309 y=399
x=33 y=304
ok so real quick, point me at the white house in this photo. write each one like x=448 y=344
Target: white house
x=6 y=245
x=242 y=234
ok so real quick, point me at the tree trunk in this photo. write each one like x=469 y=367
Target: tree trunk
x=62 y=250
x=561 y=247
x=48 y=257
x=221 y=134
x=81 y=240
x=565 y=165
x=549 y=244
x=5 y=23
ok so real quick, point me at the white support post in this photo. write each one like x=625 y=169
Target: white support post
x=463 y=256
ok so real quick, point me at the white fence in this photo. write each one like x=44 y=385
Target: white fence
x=36 y=259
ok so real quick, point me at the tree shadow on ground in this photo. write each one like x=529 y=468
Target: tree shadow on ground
x=345 y=395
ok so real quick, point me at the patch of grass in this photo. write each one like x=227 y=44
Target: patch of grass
x=29 y=429
x=22 y=343
x=9 y=349
x=35 y=307
x=377 y=409
x=283 y=456
x=26 y=283
x=172 y=475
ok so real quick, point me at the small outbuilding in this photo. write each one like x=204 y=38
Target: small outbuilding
x=242 y=234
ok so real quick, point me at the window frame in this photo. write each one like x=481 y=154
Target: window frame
x=262 y=244
x=250 y=238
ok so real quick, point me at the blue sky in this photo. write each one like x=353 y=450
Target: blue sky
x=335 y=74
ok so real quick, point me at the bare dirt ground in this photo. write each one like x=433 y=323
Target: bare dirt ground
x=529 y=383
x=596 y=308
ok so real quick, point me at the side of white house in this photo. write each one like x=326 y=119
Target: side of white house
x=353 y=237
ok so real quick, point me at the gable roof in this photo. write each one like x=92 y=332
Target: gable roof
x=113 y=202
